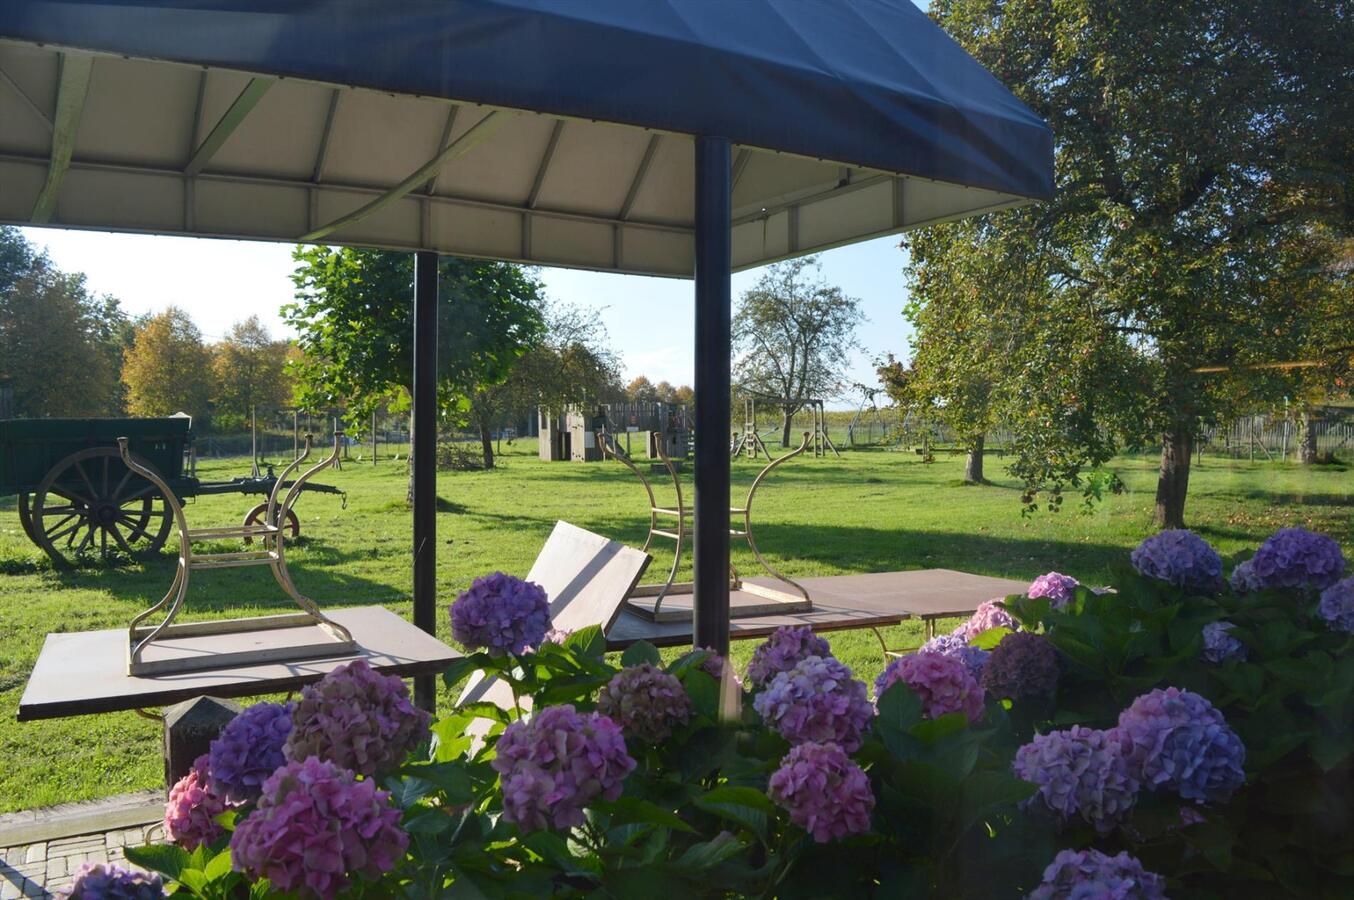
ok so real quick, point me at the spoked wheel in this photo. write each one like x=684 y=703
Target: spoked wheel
x=90 y=503
x=26 y=516
x=255 y=517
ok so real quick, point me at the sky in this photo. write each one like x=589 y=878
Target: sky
x=649 y=320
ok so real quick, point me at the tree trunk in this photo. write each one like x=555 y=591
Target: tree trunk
x=786 y=422
x=1173 y=479
x=1307 y=444
x=487 y=443
x=973 y=466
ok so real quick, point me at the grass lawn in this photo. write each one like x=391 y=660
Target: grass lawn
x=872 y=510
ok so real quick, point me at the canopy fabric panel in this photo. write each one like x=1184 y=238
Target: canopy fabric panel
x=557 y=132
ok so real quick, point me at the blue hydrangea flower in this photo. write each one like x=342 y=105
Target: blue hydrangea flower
x=1092 y=875
x=1219 y=645
x=973 y=658
x=1337 y=606
x=782 y=651
x=248 y=750
x=817 y=700
x=1177 y=741
x=1182 y=558
x=1298 y=558
x=1081 y=773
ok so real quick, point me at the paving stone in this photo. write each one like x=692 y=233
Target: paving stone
x=10 y=890
x=35 y=853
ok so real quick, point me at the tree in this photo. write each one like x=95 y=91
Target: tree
x=641 y=390
x=250 y=370
x=793 y=332
x=168 y=368
x=1195 y=144
x=60 y=347
x=355 y=319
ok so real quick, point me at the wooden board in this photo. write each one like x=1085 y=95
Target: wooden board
x=742 y=604
x=585 y=576
x=86 y=672
x=839 y=602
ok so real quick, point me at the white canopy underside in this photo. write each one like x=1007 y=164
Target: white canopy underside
x=119 y=144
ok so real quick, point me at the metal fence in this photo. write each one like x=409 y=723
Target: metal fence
x=1277 y=438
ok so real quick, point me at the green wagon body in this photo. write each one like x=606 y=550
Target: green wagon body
x=30 y=448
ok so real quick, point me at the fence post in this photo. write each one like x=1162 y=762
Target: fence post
x=295 y=433
x=373 y=439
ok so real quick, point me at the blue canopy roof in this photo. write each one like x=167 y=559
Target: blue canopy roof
x=872 y=86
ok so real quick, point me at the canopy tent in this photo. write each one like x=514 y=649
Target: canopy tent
x=667 y=137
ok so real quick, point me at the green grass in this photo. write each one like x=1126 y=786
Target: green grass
x=869 y=511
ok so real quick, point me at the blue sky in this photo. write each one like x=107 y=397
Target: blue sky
x=649 y=319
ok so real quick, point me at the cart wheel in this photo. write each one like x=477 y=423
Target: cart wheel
x=26 y=515
x=90 y=503
x=255 y=517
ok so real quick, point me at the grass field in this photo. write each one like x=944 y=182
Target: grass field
x=871 y=510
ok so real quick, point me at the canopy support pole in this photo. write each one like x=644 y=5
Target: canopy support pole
x=424 y=440
x=713 y=338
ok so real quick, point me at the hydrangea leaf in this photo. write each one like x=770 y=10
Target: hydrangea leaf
x=641 y=652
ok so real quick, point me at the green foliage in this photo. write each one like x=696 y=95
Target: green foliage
x=165 y=368
x=1202 y=161
x=248 y=370
x=60 y=346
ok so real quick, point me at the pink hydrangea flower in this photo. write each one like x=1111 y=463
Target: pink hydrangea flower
x=190 y=814
x=315 y=828
x=1058 y=588
x=942 y=682
x=992 y=614
x=556 y=763
x=646 y=702
x=358 y=718
x=825 y=793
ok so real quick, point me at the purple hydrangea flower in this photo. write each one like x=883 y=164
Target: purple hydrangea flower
x=248 y=750
x=555 y=636
x=714 y=665
x=1337 y=605
x=1058 y=588
x=1022 y=665
x=502 y=614
x=1081 y=773
x=315 y=827
x=1176 y=740
x=1298 y=558
x=1244 y=580
x=108 y=881
x=782 y=651
x=973 y=658
x=358 y=718
x=1180 y=557
x=1092 y=875
x=825 y=793
x=646 y=702
x=942 y=682
x=1219 y=645
x=190 y=813
x=556 y=763
x=991 y=614
x=817 y=700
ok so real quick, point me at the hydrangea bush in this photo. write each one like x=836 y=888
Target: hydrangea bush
x=1111 y=756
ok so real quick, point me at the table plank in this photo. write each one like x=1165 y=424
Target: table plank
x=80 y=673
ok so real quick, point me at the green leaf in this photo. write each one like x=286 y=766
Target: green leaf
x=587 y=642
x=167 y=859
x=485 y=710
x=641 y=652
x=745 y=806
x=633 y=810
x=458 y=670
x=450 y=739
x=453 y=779
x=899 y=711
x=699 y=857
x=990 y=638
x=219 y=867
x=432 y=821
x=408 y=790
x=704 y=692
x=983 y=792
x=932 y=730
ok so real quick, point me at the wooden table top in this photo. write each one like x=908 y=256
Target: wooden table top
x=86 y=672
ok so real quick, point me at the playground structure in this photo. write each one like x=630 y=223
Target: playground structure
x=868 y=419
x=572 y=434
x=647 y=599
x=751 y=443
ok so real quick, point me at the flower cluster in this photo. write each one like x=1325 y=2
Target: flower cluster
x=107 y=881
x=502 y=614
x=942 y=682
x=646 y=702
x=1078 y=874
x=357 y=718
x=1022 y=665
x=714 y=664
x=782 y=651
x=973 y=658
x=1081 y=774
x=1058 y=588
x=1337 y=605
x=825 y=793
x=991 y=614
x=555 y=636
x=817 y=700
x=1298 y=558
x=1244 y=580
x=1219 y=645
x=190 y=814
x=556 y=763
x=248 y=750
x=1176 y=740
x=1180 y=557
x=315 y=825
